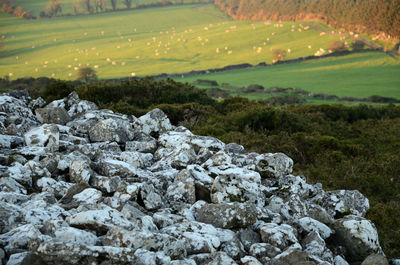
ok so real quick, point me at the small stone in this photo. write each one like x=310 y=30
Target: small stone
x=80 y=171
x=281 y=236
x=25 y=258
x=113 y=130
x=46 y=135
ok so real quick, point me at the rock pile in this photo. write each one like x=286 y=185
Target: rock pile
x=80 y=185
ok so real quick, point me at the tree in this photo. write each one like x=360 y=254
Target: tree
x=128 y=3
x=358 y=45
x=278 y=55
x=53 y=7
x=114 y=4
x=87 y=74
x=100 y=5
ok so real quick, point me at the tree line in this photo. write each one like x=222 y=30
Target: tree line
x=370 y=16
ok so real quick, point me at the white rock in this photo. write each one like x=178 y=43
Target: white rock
x=80 y=171
x=281 y=236
x=340 y=261
x=309 y=224
x=46 y=135
x=90 y=196
x=74 y=235
x=154 y=121
x=19 y=237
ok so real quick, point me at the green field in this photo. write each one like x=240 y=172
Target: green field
x=38 y=5
x=356 y=75
x=148 y=41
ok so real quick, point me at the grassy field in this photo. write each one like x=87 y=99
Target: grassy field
x=148 y=41
x=38 y=5
x=356 y=75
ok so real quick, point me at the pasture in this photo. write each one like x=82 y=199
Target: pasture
x=149 y=41
x=356 y=75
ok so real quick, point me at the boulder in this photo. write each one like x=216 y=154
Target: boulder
x=27 y=257
x=52 y=115
x=227 y=215
x=375 y=259
x=280 y=236
x=359 y=236
x=154 y=122
x=113 y=130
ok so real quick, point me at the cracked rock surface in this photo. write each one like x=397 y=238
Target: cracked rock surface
x=79 y=185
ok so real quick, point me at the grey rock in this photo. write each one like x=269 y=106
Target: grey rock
x=153 y=122
x=292 y=257
x=142 y=143
x=183 y=189
x=248 y=237
x=338 y=260
x=10 y=215
x=375 y=259
x=227 y=215
x=81 y=107
x=113 y=130
x=57 y=188
x=280 y=236
x=106 y=184
x=25 y=258
x=169 y=245
x=249 y=260
x=221 y=258
x=359 y=236
x=264 y=251
x=19 y=237
x=53 y=115
x=234 y=148
x=80 y=171
x=10 y=141
x=345 y=202
x=274 y=165
x=46 y=135
x=150 y=197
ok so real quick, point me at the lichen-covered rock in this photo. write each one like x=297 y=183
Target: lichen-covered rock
x=227 y=215
x=280 y=236
x=142 y=143
x=10 y=141
x=359 y=236
x=46 y=135
x=273 y=165
x=76 y=236
x=309 y=224
x=19 y=237
x=153 y=122
x=169 y=245
x=10 y=215
x=113 y=130
x=53 y=115
x=345 y=202
x=80 y=171
x=23 y=258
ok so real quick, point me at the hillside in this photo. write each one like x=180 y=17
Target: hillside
x=150 y=41
x=380 y=17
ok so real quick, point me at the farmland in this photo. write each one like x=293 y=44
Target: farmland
x=149 y=41
x=355 y=75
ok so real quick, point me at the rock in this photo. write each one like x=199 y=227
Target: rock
x=154 y=122
x=76 y=236
x=10 y=141
x=151 y=199
x=81 y=107
x=105 y=184
x=375 y=259
x=274 y=165
x=280 y=236
x=220 y=258
x=80 y=171
x=248 y=237
x=113 y=130
x=10 y=215
x=249 y=260
x=227 y=215
x=359 y=236
x=234 y=148
x=309 y=224
x=292 y=257
x=169 y=245
x=263 y=251
x=25 y=258
x=183 y=189
x=142 y=143
x=58 y=188
x=338 y=260
x=345 y=202
x=53 y=115
x=315 y=246
x=46 y=135
x=18 y=238
x=100 y=220
x=137 y=159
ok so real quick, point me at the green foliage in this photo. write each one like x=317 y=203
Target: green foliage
x=56 y=90
x=357 y=45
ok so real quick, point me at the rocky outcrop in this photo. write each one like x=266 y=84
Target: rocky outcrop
x=80 y=185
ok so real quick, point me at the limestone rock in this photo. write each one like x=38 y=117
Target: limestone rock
x=52 y=115
x=227 y=215
x=359 y=236
x=153 y=122
x=111 y=130
x=46 y=135
x=280 y=236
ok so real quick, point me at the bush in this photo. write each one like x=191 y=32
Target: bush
x=337 y=46
x=254 y=88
